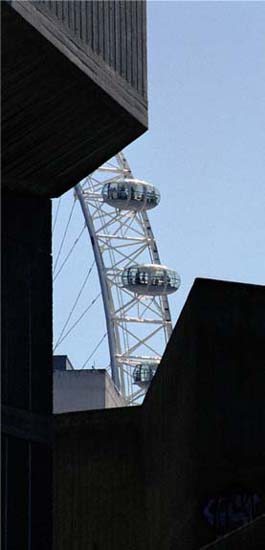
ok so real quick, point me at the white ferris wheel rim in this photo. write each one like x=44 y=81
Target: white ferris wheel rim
x=117 y=326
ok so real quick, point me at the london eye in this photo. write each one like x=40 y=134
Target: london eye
x=134 y=284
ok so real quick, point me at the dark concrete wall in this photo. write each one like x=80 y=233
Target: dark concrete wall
x=180 y=471
x=99 y=489
x=26 y=494
x=26 y=373
x=204 y=418
x=249 y=537
x=188 y=465
x=26 y=303
x=71 y=100
x=66 y=110
x=114 y=30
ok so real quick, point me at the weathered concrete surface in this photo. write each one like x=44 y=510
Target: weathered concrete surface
x=66 y=108
x=26 y=373
x=204 y=417
x=176 y=473
x=26 y=304
x=99 y=481
x=249 y=537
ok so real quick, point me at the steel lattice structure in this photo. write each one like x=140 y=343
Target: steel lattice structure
x=138 y=326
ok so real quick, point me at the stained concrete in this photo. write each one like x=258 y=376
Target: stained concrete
x=26 y=303
x=179 y=472
x=204 y=418
x=154 y=476
x=65 y=110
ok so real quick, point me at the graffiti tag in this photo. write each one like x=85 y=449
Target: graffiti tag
x=225 y=513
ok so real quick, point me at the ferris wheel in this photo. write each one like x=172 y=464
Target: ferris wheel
x=134 y=284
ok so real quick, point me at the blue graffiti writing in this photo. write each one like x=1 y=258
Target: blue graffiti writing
x=226 y=513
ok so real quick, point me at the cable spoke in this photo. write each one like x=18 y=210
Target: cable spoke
x=75 y=303
x=94 y=350
x=64 y=236
x=78 y=320
x=69 y=253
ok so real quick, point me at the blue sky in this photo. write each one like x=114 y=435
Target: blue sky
x=204 y=150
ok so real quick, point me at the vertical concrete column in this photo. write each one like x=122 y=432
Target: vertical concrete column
x=26 y=370
x=27 y=303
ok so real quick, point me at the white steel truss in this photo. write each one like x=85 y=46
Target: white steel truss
x=138 y=327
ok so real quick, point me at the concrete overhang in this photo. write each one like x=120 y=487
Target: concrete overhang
x=74 y=94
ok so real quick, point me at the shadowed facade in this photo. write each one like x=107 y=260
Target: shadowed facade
x=74 y=89
x=187 y=467
x=74 y=93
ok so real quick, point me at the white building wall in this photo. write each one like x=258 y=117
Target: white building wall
x=75 y=390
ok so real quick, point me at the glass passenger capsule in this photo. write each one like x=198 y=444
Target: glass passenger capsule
x=143 y=374
x=130 y=194
x=150 y=279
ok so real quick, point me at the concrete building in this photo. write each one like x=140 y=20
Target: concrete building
x=187 y=467
x=62 y=363
x=184 y=469
x=74 y=89
x=73 y=95
x=82 y=390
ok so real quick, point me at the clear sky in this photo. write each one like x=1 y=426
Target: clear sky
x=204 y=150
